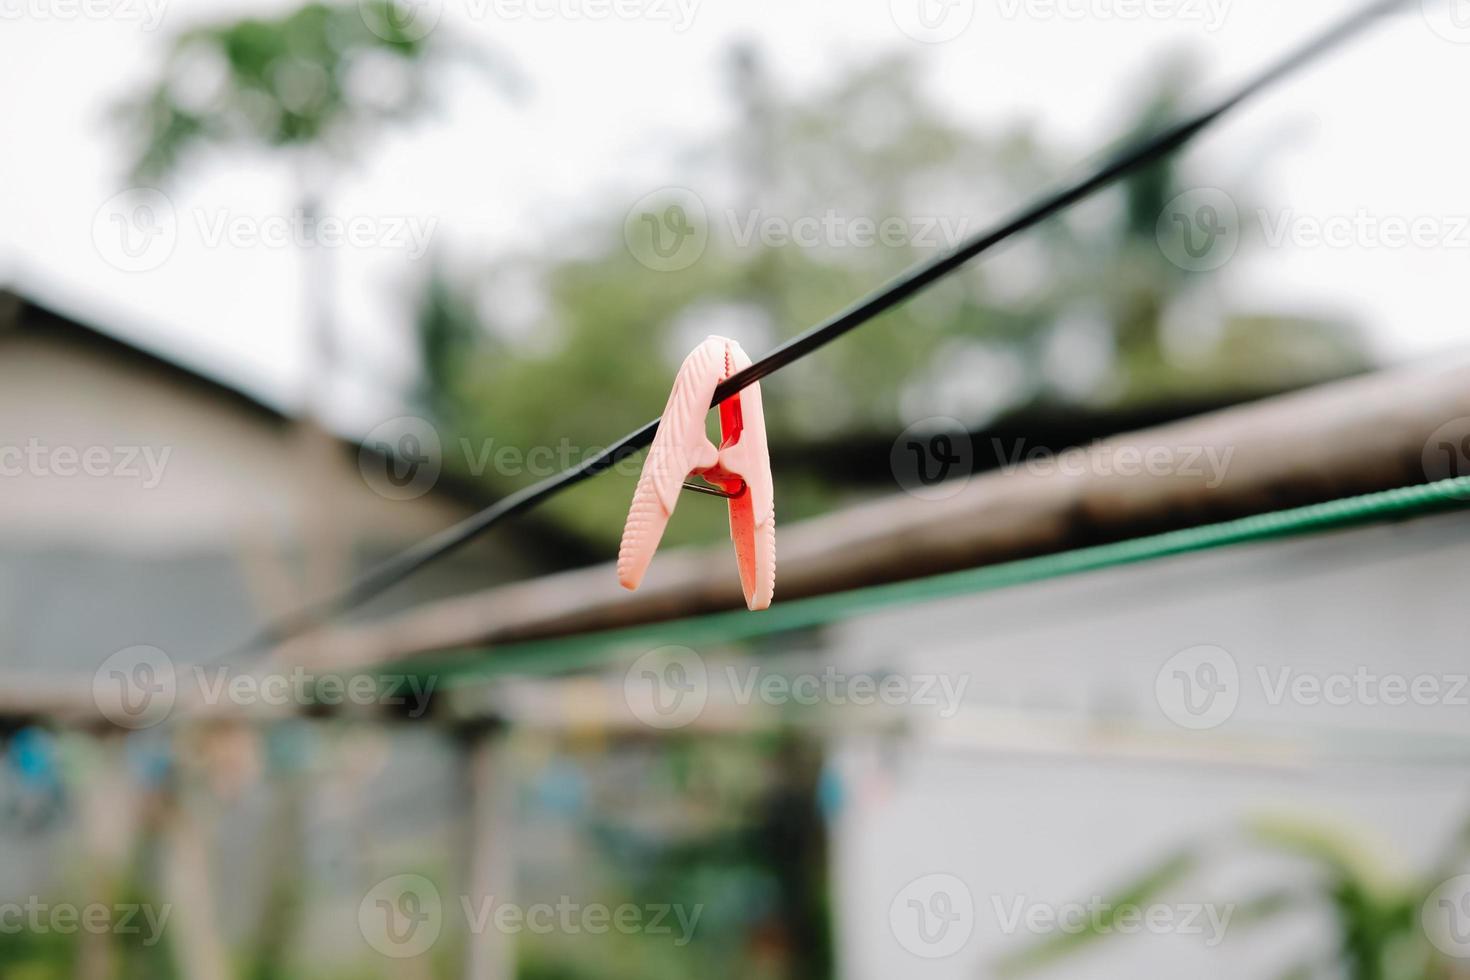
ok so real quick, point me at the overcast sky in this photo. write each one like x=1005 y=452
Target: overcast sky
x=1369 y=141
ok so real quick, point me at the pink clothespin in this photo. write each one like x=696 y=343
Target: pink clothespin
x=740 y=469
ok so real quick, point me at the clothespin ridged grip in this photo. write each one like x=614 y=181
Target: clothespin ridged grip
x=740 y=467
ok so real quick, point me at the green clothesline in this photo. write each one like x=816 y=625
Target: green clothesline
x=561 y=654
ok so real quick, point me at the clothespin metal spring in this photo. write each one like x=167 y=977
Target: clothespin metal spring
x=708 y=490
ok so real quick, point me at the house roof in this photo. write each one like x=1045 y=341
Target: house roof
x=23 y=314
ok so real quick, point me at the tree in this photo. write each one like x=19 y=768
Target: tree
x=1071 y=315
x=312 y=84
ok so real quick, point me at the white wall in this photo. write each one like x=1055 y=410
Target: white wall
x=1064 y=776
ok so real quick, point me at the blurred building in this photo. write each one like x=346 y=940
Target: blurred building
x=145 y=502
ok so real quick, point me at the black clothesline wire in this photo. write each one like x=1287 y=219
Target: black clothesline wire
x=388 y=574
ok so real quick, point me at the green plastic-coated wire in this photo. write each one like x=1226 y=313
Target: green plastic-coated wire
x=562 y=654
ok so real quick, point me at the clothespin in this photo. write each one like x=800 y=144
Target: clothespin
x=739 y=470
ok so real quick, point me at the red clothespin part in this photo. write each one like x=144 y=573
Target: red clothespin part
x=740 y=470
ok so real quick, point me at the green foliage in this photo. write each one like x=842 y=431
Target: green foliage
x=725 y=830
x=307 y=80
x=54 y=955
x=1376 y=914
x=37 y=956
x=1128 y=900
